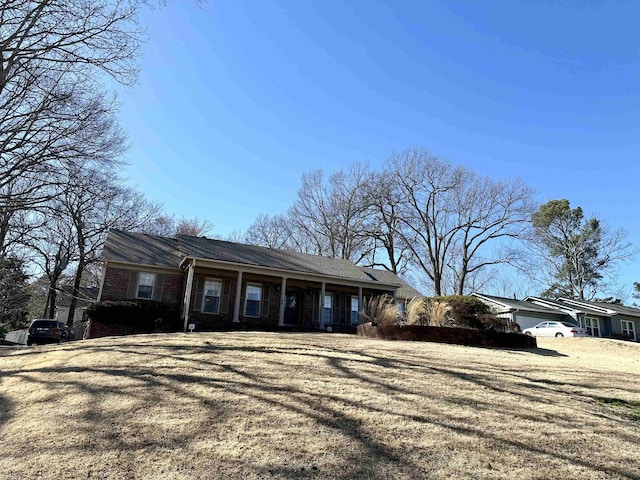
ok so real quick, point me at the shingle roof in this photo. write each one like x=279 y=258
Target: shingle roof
x=517 y=304
x=611 y=307
x=404 y=290
x=140 y=248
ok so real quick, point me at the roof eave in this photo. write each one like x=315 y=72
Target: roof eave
x=287 y=273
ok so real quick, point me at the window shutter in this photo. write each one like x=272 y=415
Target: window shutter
x=133 y=285
x=264 y=308
x=242 y=294
x=197 y=304
x=157 y=288
x=315 y=301
x=224 y=299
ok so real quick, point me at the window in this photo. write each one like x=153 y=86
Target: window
x=628 y=329
x=211 y=297
x=592 y=326
x=354 y=311
x=252 y=301
x=145 y=285
x=328 y=303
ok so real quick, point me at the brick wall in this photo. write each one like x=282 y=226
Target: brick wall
x=116 y=282
x=173 y=289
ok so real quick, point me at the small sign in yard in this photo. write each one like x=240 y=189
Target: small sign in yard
x=192 y=327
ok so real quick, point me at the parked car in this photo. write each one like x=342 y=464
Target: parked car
x=555 y=329
x=44 y=330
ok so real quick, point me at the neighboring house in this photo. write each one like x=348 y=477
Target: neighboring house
x=525 y=314
x=597 y=318
x=86 y=297
x=216 y=284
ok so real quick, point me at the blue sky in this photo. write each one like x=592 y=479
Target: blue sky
x=237 y=99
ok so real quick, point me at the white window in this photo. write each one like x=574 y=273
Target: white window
x=211 y=297
x=146 y=281
x=328 y=307
x=252 y=300
x=354 y=311
x=628 y=329
x=592 y=326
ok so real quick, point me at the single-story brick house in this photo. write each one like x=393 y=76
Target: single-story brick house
x=597 y=318
x=217 y=284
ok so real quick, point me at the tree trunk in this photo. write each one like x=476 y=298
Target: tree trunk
x=75 y=292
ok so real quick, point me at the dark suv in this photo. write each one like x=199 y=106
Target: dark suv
x=48 y=331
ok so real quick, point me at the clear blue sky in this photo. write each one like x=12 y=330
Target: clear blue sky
x=237 y=99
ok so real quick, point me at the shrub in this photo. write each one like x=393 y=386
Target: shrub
x=144 y=317
x=416 y=312
x=489 y=321
x=467 y=311
x=4 y=329
x=381 y=310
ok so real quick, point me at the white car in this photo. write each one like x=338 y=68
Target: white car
x=555 y=329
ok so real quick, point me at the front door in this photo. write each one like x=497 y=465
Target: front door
x=592 y=325
x=292 y=308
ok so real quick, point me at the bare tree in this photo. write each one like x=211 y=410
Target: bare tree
x=383 y=199
x=51 y=54
x=270 y=231
x=93 y=202
x=329 y=218
x=450 y=217
x=166 y=225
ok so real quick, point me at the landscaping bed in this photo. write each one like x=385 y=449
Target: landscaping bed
x=453 y=335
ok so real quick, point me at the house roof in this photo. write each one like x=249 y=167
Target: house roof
x=553 y=304
x=510 y=304
x=404 y=290
x=143 y=249
x=602 y=308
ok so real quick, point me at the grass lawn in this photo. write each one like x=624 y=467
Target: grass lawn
x=263 y=405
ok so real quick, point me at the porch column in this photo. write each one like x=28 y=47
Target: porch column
x=283 y=301
x=321 y=306
x=187 y=294
x=360 y=306
x=236 y=303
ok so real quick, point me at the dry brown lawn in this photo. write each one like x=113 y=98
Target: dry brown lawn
x=260 y=405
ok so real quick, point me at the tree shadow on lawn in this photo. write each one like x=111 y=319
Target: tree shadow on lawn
x=322 y=408
x=5 y=410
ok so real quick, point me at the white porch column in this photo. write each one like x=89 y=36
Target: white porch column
x=321 y=306
x=360 y=305
x=187 y=294
x=236 y=303
x=283 y=301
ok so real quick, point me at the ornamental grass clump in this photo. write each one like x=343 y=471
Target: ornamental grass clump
x=416 y=312
x=381 y=310
x=438 y=313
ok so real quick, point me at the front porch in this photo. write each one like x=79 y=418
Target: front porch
x=217 y=298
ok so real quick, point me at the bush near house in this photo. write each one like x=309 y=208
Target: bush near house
x=467 y=311
x=129 y=317
x=4 y=329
